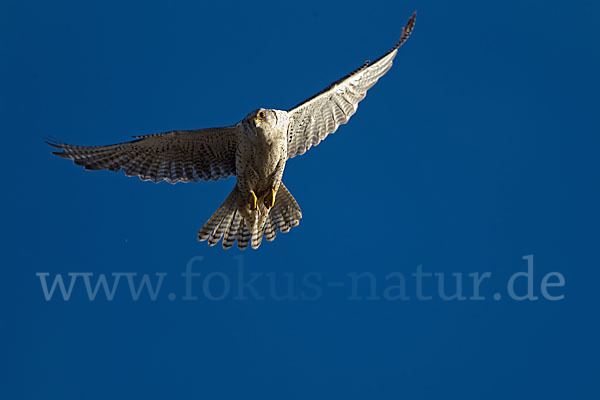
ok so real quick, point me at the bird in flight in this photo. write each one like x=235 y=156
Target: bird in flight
x=255 y=150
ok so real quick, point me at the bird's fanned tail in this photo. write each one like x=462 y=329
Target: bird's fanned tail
x=227 y=222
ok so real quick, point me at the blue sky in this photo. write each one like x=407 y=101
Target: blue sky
x=478 y=148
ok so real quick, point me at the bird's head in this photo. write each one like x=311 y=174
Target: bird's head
x=261 y=122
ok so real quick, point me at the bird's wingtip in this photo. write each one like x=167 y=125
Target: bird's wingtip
x=406 y=30
x=60 y=154
x=411 y=20
x=52 y=142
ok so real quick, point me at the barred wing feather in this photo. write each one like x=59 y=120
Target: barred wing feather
x=314 y=119
x=177 y=156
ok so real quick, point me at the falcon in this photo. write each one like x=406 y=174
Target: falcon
x=255 y=150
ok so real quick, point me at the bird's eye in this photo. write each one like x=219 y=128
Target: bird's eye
x=262 y=115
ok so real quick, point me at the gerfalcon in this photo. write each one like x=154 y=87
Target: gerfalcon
x=255 y=150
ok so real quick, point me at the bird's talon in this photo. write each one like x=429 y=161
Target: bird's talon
x=253 y=201
x=270 y=199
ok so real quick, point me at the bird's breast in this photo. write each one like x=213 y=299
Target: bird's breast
x=266 y=157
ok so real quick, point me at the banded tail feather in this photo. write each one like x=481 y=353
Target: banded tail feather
x=228 y=224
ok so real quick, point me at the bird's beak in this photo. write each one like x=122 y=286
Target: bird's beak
x=257 y=121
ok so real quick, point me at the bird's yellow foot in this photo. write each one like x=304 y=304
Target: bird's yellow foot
x=253 y=201
x=270 y=199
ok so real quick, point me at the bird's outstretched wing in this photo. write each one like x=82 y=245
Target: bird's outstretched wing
x=177 y=156
x=312 y=120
